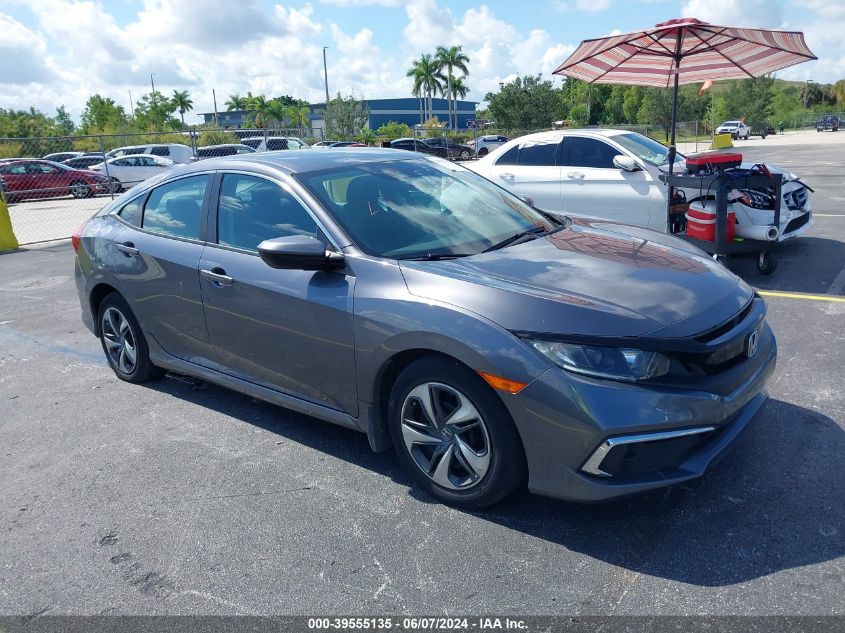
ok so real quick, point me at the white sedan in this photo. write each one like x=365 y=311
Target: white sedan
x=127 y=171
x=614 y=175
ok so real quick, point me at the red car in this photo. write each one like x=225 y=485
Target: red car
x=28 y=178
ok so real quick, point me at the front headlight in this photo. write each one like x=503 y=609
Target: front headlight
x=753 y=198
x=630 y=365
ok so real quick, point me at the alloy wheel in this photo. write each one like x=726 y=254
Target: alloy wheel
x=445 y=436
x=79 y=189
x=119 y=340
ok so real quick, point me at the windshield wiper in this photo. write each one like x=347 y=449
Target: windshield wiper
x=434 y=257
x=537 y=231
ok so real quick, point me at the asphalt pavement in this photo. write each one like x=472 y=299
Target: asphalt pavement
x=181 y=498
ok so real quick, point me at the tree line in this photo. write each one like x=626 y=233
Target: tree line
x=532 y=102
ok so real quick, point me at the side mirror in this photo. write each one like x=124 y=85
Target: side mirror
x=298 y=252
x=527 y=199
x=626 y=163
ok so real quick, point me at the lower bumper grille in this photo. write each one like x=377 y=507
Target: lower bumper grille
x=630 y=455
x=796 y=223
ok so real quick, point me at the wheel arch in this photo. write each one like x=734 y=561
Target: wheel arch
x=95 y=298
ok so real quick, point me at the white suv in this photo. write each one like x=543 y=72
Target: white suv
x=737 y=129
x=274 y=143
x=181 y=154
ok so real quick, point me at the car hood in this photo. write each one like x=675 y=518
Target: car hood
x=593 y=278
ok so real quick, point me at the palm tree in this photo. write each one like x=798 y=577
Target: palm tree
x=298 y=116
x=183 y=103
x=452 y=59
x=459 y=89
x=260 y=108
x=417 y=91
x=427 y=77
x=236 y=102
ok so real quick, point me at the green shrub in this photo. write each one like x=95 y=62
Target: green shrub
x=393 y=130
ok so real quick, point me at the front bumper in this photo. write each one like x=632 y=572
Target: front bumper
x=564 y=419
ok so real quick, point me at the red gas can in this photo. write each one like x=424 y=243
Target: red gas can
x=701 y=221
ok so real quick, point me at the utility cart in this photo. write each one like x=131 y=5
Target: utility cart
x=718 y=184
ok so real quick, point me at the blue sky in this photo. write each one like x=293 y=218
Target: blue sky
x=56 y=52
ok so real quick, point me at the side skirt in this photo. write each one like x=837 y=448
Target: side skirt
x=164 y=360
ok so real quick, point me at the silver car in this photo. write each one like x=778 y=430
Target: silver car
x=412 y=300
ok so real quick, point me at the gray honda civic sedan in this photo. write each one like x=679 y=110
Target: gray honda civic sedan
x=489 y=343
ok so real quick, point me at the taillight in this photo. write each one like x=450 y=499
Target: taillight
x=76 y=237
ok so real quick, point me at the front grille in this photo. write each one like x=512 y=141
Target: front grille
x=727 y=326
x=796 y=223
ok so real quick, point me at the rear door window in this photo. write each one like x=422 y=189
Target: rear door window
x=275 y=144
x=175 y=208
x=131 y=211
x=580 y=151
x=538 y=154
x=160 y=151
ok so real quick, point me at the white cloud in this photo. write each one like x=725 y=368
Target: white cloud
x=751 y=13
x=498 y=52
x=360 y=3
x=22 y=54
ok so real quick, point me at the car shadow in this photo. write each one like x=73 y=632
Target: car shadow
x=805 y=264
x=774 y=503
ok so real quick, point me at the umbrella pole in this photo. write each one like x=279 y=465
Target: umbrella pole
x=672 y=150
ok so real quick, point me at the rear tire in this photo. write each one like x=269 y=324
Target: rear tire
x=483 y=151
x=123 y=341
x=454 y=435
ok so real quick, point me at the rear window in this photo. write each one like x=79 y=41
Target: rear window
x=275 y=144
x=160 y=151
x=175 y=208
x=253 y=142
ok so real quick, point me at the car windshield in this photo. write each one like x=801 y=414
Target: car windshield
x=730 y=124
x=252 y=142
x=406 y=209
x=646 y=149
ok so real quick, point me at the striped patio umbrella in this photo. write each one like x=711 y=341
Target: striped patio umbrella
x=684 y=51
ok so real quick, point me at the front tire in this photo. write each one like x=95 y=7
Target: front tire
x=454 y=435
x=123 y=341
x=464 y=155
x=483 y=152
x=80 y=189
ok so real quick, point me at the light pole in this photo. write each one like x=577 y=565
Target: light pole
x=326 y=78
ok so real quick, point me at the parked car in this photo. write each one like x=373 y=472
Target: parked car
x=830 y=122
x=325 y=144
x=737 y=130
x=226 y=149
x=35 y=178
x=411 y=300
x=487 y=143
x=417 y=145
x=274 y=143
x=178 y=153
x=614 y=175
x=127 y=171
x=61 y=157
x=2 y=189
x=84 y=162
x=453 y=150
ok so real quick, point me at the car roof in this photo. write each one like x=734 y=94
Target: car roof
x=137 y=156
x=302 y=160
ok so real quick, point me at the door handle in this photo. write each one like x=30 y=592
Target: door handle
x=217 y=276
x=506 y=176
x=575 y=174
x=127 y=248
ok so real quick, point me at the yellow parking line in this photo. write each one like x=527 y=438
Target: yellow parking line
x=801 y=295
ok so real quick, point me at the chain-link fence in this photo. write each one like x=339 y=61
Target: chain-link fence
x=52 y=185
